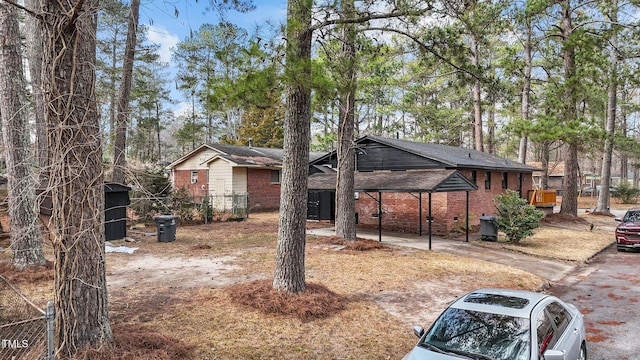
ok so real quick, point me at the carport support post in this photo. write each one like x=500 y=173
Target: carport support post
x=430 y=220
x=467 y=239
x=420 y=211
x=379 y=216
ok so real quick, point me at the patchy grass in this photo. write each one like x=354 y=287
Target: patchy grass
x=362 y=302
x=210 y=296
x=565 y=237
x=362 y=330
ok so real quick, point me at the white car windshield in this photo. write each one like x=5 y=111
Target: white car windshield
x=480 y=335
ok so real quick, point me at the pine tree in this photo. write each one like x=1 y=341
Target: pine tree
x=76 y=183
x=26 y=240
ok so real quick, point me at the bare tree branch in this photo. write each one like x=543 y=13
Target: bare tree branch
x=428 y=49
x=30 y=12
x=369 y=17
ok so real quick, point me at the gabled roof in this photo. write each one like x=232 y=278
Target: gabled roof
x=248 y=156
x=436 y=180
x=188 y=155
x=455 y=157
x=243 y=155
x=322 y=169
x=450 y=157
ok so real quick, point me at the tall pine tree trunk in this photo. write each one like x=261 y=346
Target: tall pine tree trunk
x=345 y=201
x=157 y=128
x=526 y=92
x=34 y=56
x=491 y=127
x=289 y=272
x=120 y=145
x=569 y=204
x=76 y=182
x=545 y=152
x=26 y=241
x=624 y=158
x=604 y=195
x=477 y=97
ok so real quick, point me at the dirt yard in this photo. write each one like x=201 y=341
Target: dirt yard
x=191 y=298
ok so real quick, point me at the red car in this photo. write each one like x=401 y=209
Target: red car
x=628 y=231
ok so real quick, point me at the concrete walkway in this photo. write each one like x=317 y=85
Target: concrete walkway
x=551 y=270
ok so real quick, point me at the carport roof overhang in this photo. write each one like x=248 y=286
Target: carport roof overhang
x=410 y=181
x=430 y=181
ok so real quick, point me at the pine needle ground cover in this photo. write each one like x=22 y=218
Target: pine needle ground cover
x=207 y=295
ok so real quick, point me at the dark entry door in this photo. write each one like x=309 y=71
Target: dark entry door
x=321 y=205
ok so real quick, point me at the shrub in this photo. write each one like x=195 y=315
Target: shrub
x=206 y=211
x=181 y=204
x=627 y=194
x=516 y=218
x=151 y=188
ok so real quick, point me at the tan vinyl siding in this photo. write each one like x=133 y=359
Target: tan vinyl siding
x=197 y=161
x=221 y=171
x=239 y=181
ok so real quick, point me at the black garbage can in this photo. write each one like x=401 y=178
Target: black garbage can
x=488 y=228
x=166 y=227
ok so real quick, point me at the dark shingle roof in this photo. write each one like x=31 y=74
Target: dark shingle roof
x=451 y=156
x=436 y=180
x=254 y=156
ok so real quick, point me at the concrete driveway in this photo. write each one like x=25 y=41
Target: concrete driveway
x=551 y=270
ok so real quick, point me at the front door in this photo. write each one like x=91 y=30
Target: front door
x=219 y=200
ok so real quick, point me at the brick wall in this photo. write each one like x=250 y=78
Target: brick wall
x=263 y=194
x=182 y=179
x=401 y=210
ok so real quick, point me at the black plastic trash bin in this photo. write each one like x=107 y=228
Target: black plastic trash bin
x=488 y=228
x=166 y=227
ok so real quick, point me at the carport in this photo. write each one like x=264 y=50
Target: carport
x=412 y=182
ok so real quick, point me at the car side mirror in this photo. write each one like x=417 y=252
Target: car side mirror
x=618 y=219
x=418 y=330
x=554 y=355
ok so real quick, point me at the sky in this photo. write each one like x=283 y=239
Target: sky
x=167 y=29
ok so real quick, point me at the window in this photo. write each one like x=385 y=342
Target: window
x=487 y=180
x=520 y=183
x=545 y=332
x=473 y=176
x=551 y=324
x=505 y=177
x=560 y=316
x=461 y=331
x=632 y=216
x=497 y=300
x=194 y=176
x=275 y=176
